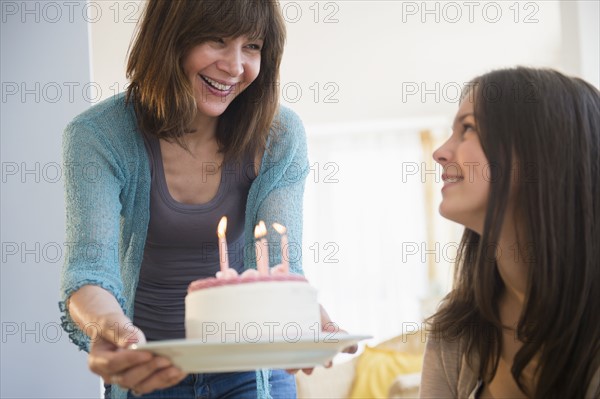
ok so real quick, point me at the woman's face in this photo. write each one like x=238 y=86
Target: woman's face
x=220 y=69
x=466 y=172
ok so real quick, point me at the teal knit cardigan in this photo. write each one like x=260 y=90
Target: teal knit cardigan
x=107 y=193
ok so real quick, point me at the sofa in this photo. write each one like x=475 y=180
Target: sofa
x=391 y=369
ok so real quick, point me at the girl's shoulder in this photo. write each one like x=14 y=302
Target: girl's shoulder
x=593 y=390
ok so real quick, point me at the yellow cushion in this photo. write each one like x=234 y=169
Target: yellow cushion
x=377 y=368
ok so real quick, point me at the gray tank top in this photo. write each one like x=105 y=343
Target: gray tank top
x=182 y=245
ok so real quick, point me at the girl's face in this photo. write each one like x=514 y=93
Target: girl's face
x=220 y=69
x=466 y=173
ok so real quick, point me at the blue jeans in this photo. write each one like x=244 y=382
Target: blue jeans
x=223 y=385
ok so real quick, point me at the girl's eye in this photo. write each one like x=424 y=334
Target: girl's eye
x=467 y=127
x=217 y=40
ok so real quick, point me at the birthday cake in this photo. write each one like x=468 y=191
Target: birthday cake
x=251 y=308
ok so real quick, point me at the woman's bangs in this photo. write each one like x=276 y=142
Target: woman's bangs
x=237 y=18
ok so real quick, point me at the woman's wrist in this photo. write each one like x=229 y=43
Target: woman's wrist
x=96 y=311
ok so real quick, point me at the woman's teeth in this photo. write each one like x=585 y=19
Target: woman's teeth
x=216 y=85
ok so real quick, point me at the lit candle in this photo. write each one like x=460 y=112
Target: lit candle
x=223 y=257
x=285 y=255
x=262 y=249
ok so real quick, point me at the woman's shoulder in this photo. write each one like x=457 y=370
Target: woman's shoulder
x=287 y=130
x=112 y=119
x=113 y=106
x=112 y=115
x=107 y=130
x=287 y=117
x=286 y=147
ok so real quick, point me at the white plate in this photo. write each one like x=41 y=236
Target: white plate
x=196 y=356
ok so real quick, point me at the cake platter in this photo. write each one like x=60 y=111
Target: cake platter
x=201 y=356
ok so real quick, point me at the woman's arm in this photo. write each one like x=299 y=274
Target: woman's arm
x=277 y=193
x=91 y=281
x=98 y=314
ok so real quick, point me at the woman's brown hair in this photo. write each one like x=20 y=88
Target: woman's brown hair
x=161 y=92
x=545 y=127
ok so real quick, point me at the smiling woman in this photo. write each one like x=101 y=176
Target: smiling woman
x=177 y=40
x=220 y=69
x=198 y=135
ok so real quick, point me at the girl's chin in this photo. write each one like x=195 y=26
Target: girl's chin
x=468 y=221
x=447 y=212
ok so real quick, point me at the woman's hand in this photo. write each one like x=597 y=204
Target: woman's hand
x=329 y=327
x=140 y=371
x=99 y=315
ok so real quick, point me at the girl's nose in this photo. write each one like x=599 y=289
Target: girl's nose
x=443 y=154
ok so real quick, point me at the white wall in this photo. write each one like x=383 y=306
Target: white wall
x=373 y=52
x=44 y=53
x=589 y=37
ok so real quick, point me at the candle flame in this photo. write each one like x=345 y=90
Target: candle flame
x=222 y=228
x=260 y=230
x=279 y=228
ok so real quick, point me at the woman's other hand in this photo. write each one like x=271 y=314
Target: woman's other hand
x=327 y=326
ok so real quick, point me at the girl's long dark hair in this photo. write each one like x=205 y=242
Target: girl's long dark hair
x=540 y=131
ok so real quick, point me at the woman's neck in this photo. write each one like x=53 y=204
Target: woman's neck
x=203 y=131
x=203 y=126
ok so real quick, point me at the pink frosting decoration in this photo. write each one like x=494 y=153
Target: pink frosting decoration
x=245 y=278
x=281 y=270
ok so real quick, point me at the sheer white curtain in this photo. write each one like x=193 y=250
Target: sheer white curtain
x=365 y=236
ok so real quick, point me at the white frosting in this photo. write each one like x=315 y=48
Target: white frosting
x=253 y=312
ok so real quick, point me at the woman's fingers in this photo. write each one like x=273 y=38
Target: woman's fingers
x=133 y=376
x=107 y=360
x=108 y=364
x=333 y=328
x=351 y=349
x=143 y=374
x=307 y=371
x=161 y=378
x=122 y=333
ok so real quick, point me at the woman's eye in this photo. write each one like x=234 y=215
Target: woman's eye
x=217 y=40
x=254 y=46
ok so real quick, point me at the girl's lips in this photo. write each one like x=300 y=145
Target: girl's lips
x=451 y=181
